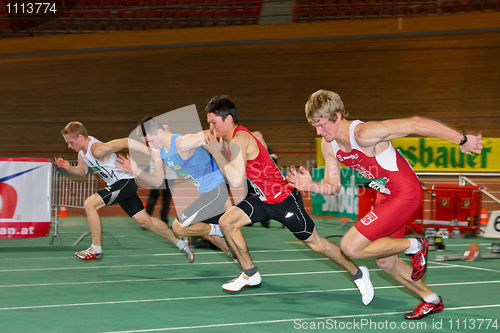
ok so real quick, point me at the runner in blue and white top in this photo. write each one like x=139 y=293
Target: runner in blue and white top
x=199 y=169
x=185 y=155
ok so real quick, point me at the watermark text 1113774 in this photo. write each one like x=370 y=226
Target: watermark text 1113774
x=31 y=8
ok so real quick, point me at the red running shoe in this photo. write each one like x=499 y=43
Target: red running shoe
x=88 y=254
x=419 y=260
x=424 y=309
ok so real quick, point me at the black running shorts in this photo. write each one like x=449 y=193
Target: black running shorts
x=123 y=192
x=290 y=212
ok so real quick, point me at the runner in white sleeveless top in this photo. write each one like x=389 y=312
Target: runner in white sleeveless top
x=105 y=169
x=122 y=189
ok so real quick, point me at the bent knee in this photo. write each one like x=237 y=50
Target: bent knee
x=225 y=222
x=350 y=250
x=228 y=220
x=144 y=222
x=178 y=228
x=92 y=203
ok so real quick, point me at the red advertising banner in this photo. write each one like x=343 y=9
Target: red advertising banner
x=25 y=185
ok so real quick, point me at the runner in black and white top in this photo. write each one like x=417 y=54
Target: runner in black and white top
x=122 y=188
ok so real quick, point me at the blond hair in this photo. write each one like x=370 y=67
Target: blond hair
x=74 y=128
x=324 y=104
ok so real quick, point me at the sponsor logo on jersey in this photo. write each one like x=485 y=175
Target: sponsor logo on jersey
x=369 y=218
x=362 y=170
x=348 y=157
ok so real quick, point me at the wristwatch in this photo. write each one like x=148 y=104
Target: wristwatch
x=464 y=139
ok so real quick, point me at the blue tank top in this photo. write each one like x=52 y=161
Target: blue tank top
x=199 y=169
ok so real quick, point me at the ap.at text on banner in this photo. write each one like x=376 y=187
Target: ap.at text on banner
x=25 y=189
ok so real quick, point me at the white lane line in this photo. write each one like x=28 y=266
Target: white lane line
x=214 y=252
x=182 y=254
x=353 y=316
x=255 y=251
x=87 y=267
x=226 y=296
x=197 y=252
x=50 y=284
x=465 y=266
x=152 y=265
x=162 y=279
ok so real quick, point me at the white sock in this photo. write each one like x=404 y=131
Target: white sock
x=414 y=246
x=96 y=248
x=181 y=244
x=434 y=299
x=215 y=230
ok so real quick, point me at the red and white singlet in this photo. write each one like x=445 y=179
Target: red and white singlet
x=264 y=175
x=391 y=211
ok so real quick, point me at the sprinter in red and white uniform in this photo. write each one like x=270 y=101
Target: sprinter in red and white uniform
x=366 y=148
x=241 y=155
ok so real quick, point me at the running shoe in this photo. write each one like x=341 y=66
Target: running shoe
x=365 y=286
x=188 y=251
x=424 y=309
x=88 y=254
x=419 y=260
x=242 y=281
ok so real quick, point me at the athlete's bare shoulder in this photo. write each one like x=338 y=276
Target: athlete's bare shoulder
x=246 y=142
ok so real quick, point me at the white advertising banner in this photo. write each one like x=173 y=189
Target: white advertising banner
x=25 y=189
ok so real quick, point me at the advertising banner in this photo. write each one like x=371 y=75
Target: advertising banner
x=344 y=204
x=25 y=185
x=433 y=154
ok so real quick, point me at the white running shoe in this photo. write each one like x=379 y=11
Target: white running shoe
x=365 y=286
x=242 y=281
x=188 y=251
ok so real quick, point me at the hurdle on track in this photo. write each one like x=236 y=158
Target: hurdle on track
x=71 y=191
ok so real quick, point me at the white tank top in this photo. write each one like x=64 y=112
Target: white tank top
x=385 y=159
x=106 y=170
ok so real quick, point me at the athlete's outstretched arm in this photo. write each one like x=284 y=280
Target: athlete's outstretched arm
x=81 y=169
x=138 y=146
x=234 y=169
x=370 y=133
x=101 y=150
x=191 y=141
x=330 y=184
x=155 y=178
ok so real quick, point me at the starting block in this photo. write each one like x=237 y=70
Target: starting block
x=473 y=253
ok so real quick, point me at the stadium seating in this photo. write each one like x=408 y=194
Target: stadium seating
x=86 y=16
x=112 y=15
x=326 y=10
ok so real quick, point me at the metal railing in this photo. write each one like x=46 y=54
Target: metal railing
x=71 y=191
x=463 y=179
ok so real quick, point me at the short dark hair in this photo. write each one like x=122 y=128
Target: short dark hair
x=222 y=106
x=149 y=125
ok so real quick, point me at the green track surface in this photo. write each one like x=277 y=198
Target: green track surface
x=146 y=285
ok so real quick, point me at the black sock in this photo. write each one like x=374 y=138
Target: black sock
x=251 y=271
x=358 y=275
